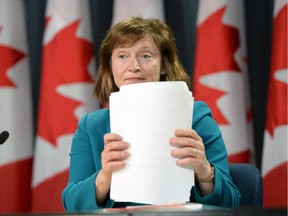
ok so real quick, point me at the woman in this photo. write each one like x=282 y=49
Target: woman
x=133 y=51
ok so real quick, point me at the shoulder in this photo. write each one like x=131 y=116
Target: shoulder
x=98 y=115
x=201 y=110
x=94 y=119
x=203 y=121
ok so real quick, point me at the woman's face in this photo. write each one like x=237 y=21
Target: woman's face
x=140 y=62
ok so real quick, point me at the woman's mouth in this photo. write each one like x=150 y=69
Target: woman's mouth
x=133 y=80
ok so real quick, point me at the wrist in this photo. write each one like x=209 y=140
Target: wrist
x=102 y=186
x=209 y=179
x=103 y=179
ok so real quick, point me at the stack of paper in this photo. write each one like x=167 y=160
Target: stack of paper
x=146 y=116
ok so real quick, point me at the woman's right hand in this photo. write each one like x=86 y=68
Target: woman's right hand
x=114 y=154
x=113 y=158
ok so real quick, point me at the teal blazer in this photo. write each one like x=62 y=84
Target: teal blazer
x=85 y=162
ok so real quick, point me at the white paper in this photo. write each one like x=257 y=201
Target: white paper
x=146 y=116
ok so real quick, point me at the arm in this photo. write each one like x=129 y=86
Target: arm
x=201 y=148
x=113 y=159
x=80 y=193
x=225 y=193
x=91 y=164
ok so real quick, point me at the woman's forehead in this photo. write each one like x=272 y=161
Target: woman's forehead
x=128 y=43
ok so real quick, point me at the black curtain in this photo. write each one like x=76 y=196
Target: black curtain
x=181 y=17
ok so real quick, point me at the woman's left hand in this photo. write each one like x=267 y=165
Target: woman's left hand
x=190 y=152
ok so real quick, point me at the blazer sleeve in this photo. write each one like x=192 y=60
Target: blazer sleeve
x=80 y=193
x=225 y=193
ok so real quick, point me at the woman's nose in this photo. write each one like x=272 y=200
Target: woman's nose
x=134 y=65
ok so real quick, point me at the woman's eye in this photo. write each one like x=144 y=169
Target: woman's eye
x=121 y=56
x=146 y=56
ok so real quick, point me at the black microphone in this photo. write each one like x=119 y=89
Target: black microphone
x=3 y=137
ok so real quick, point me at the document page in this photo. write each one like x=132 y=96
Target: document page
x=146 y=116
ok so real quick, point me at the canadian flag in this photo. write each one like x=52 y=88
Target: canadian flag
x=15 y=110
x=220 y=75
x=144 y=8
x=274 y=159
x=66 y=93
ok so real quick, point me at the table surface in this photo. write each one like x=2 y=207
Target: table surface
x=191 y=209
x=203 y=212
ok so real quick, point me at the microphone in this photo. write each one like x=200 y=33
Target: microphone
x=3 y=137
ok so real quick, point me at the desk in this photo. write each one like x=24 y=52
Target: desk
x=204 y=212
x=232 y=212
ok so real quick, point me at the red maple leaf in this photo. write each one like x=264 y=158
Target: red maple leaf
x=65 y=61
x=8 y=58
x=216 y=45
x=277 y=94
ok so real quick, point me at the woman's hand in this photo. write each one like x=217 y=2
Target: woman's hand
x=114 y=154
x=113 y=158
x=190 y=153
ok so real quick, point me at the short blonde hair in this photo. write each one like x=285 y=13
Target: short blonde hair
x=128 y=32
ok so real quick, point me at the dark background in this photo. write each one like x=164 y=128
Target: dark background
x=181 y=16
